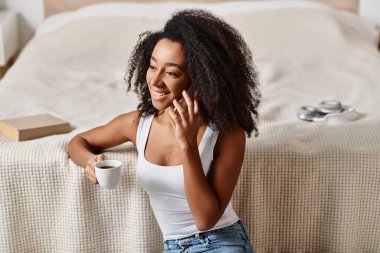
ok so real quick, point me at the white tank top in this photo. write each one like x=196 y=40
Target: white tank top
x=166 y=190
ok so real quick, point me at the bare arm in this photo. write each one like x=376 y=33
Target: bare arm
x=83 y=147
x=209 y=197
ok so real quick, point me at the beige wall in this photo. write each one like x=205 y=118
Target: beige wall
x=30 y=15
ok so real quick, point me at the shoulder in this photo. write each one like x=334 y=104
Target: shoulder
x=127 y=124
x=229 y=140
x=131 y=119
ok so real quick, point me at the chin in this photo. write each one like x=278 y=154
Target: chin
x=160 y=106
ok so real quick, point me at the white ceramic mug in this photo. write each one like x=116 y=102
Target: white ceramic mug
x=109 y=173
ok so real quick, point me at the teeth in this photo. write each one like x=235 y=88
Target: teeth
x=158 y=94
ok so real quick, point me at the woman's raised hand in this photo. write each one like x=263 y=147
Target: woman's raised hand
x=187 y=121
x=90 y=167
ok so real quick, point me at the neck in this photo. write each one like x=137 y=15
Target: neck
x=164 y=117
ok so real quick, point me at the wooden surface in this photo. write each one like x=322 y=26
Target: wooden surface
x=57 y=6
x=347 y=5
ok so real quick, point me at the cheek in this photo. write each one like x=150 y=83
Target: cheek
x=147 y=77
x=181 y=84
x=177 y=87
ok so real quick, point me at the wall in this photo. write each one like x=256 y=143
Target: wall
x=31 y=13
x=370 y=9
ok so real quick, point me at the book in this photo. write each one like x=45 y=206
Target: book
x=32 y=127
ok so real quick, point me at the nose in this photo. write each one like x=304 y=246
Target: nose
x=156 y=79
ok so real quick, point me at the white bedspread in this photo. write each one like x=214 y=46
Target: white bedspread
x=304 y=187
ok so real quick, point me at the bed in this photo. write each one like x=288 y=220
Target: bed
x=304 y=186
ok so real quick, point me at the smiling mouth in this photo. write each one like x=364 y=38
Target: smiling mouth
x=160 y=94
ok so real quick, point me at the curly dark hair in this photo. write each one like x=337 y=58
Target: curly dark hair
x=220 y=68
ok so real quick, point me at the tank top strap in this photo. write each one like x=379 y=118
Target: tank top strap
x=208 y=142
x=143 y=131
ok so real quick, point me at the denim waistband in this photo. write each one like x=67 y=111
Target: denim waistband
x=202 y=237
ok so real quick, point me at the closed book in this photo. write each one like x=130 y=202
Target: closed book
x=32 y=127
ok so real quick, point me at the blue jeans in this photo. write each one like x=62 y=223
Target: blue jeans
x=233 y=239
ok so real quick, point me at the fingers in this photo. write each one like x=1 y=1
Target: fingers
x=100 y=157
x=182 y=113
x=90 y=167
x=90 y=174
x=196 y=108
x=175 y=117
x=189 y=115
x=189 y=103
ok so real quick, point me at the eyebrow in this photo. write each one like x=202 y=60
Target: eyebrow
x=170 y=64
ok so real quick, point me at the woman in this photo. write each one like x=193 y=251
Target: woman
x=199 y=97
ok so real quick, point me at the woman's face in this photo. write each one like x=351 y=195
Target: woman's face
x=167 y=74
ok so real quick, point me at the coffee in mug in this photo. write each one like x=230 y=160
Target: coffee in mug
x=106 y=167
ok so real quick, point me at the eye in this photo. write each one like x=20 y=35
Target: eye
x=151 y=67
x=172 y=74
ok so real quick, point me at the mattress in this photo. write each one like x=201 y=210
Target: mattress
x=304 y=186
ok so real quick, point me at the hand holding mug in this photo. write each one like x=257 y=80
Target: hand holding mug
x=90 y=167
